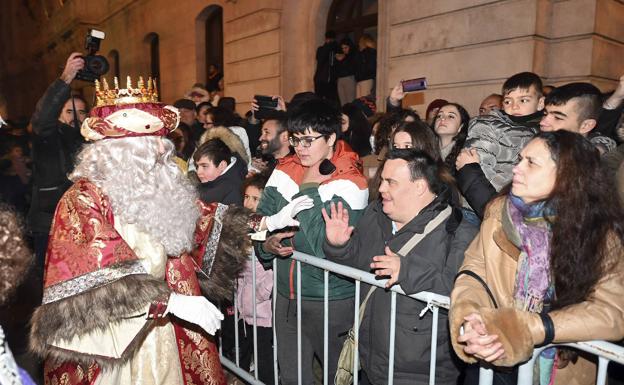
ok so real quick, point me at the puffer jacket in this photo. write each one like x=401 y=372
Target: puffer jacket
x=347 y=185
x=498 y=139
x=263 y=288
x=431 y=265
x=494 y=258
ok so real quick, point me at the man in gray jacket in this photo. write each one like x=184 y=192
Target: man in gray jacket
x=413 y=193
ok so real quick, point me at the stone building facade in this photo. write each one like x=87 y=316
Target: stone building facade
x=465 y=48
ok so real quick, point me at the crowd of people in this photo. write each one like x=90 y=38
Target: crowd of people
x=145 y=217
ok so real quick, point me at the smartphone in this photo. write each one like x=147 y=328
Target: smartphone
x=266 y=102
x=412 y=85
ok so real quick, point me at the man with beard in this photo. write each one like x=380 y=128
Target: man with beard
x=131 y=251
x=274 y=140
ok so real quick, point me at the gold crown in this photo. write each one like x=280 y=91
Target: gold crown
x=105 y=96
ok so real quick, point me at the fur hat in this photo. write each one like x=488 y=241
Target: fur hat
x=229 y=138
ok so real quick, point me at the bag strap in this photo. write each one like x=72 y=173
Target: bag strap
x=481 y=281
x=409 y=245
x=441 y=217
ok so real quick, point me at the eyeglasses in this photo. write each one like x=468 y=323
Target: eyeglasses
x=305 y=141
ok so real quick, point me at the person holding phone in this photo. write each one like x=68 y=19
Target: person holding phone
x=328 y=171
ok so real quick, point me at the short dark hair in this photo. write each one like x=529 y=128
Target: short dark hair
x=315 y=115
x=202 y=105
x=586 y=95
x=222 y=117
x=184 y=103
x=421 y=166
x=256 y=180
x=280 y=118
x=524 y=81
x=79 y=97
x=423 y=138
x=227 y=102
x=215 y=150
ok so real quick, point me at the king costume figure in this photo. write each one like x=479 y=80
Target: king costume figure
x=133 y=252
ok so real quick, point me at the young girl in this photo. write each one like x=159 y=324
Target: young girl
x=252 y=190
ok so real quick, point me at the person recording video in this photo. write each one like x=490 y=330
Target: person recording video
x=56 y=141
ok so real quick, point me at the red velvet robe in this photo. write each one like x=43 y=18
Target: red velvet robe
x=86 y=253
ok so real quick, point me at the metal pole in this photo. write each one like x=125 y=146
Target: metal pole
x=325 y=327
x=356 y=332
x=275 y=372
x=236 y=342
x=392 y=333
x=434 y=344
x=299 y=379
x=525 y=371
x=255 y=316
x=486 y=376
x=603 y=364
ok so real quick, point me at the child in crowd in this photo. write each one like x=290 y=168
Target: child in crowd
x=495 y=140
x=220 y=172
x=252 y=190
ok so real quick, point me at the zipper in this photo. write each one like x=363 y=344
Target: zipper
x=291 y=279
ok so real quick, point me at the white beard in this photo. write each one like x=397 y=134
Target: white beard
x=145 y=188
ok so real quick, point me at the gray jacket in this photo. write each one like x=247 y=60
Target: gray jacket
x=498 y=138
x=430 y=266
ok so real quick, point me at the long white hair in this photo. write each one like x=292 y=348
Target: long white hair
x=145 y=187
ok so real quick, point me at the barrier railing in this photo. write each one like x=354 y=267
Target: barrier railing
x=606 y=352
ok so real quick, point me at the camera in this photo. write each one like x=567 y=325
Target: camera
x=95 y=65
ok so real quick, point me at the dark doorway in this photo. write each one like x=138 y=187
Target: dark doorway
x=154 y=53
x=353 y=18
x=214 y=39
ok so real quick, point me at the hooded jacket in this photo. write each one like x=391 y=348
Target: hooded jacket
x=227 y=187
x=346 y=185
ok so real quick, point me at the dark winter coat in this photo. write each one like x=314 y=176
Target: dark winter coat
x=430 y=266
x=227 y=188
x=55 y=146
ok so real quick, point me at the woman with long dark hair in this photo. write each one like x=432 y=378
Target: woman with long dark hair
x=356 y=129
x=451 y=126
x=550 y=252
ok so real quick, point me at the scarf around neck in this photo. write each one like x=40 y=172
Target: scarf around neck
x=534 y=285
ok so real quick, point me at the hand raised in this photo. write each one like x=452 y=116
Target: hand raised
x=396 y=95
x=337 y=227
x=74 y=63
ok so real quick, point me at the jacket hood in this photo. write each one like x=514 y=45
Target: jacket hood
x=229 y=138
x=348 y=165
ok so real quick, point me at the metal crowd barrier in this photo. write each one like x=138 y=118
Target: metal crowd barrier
x=606 y=351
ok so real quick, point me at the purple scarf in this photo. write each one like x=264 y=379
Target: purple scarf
x=533 y=284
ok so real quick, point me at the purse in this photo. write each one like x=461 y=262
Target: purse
x=344 y=371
